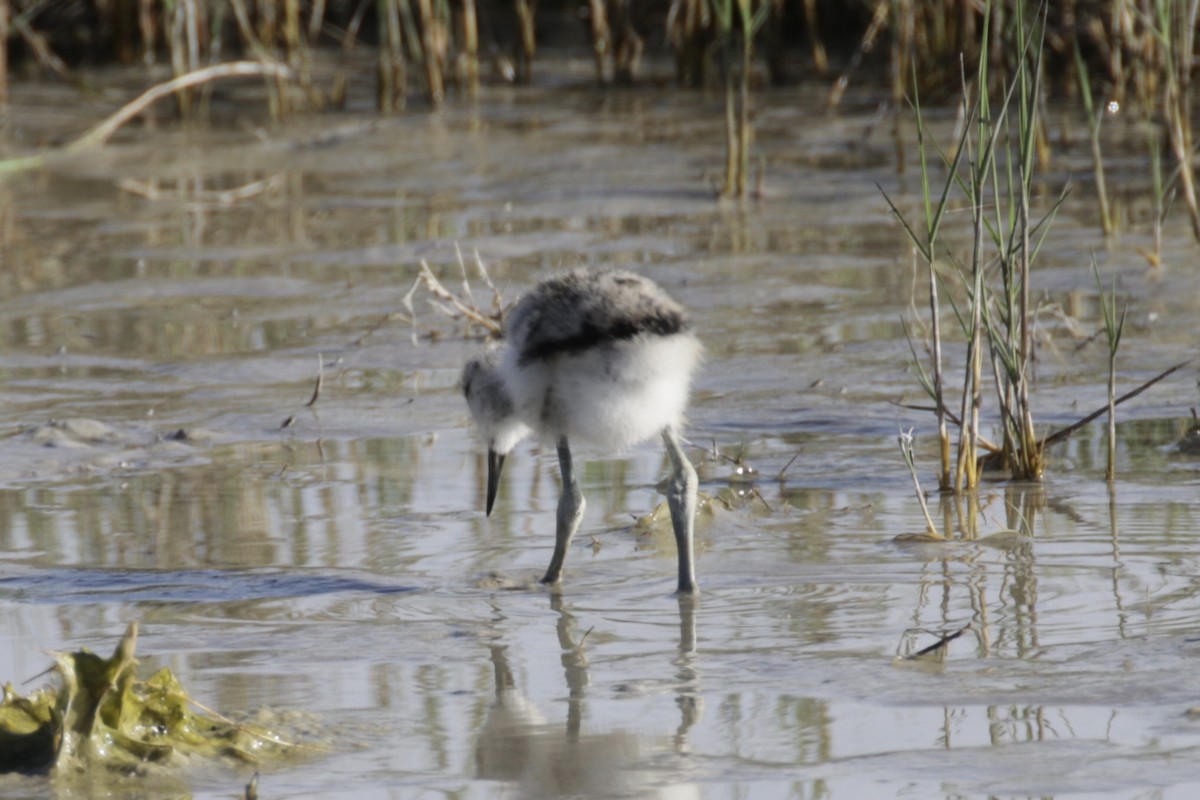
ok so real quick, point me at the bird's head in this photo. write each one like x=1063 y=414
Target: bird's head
x=494 y=412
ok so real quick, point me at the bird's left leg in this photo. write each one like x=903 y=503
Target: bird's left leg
x=570 y=513
x=681 y=499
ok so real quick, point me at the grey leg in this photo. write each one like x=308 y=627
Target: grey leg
x=570 y=513
x=681 y=499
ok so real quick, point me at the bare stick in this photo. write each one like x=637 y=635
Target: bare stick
x=1062 y=433
x=103 y=132
x=788 y=465
x=940 y=643
x=1059 y=435
x=316 y=395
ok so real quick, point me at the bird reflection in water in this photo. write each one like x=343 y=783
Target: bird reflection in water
x=518 y=745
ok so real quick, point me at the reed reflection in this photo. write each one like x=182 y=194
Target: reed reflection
x=1003 y=605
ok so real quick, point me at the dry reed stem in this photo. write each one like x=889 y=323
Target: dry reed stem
x=433 y=49
x=527 y=45
x=392 y=89
x=470 y=46
x=601 y=37
x=4 y=33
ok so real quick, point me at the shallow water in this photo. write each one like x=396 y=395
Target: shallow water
x=342 y=566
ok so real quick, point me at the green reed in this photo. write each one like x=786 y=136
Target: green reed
x=1095 y=115
x=1114 y=326
x=737 y=21
x=992 y=169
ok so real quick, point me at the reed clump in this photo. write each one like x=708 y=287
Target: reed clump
x=1137 y=47
x=990 y=169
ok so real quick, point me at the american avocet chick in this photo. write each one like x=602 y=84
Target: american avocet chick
x=601 y=357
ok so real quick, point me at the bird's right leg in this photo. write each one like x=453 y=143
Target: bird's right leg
x=681 y=499
x=570 y=513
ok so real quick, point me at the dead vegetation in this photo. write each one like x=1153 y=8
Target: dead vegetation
x=103 y=719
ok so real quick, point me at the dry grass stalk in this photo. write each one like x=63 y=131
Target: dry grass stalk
x=906 y=451
x=463 y=306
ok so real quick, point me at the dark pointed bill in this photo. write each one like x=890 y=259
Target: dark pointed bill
x=495 y=464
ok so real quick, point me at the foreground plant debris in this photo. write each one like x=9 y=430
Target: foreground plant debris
x=102 y=717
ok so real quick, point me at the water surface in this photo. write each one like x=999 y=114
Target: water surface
x=156 y=332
